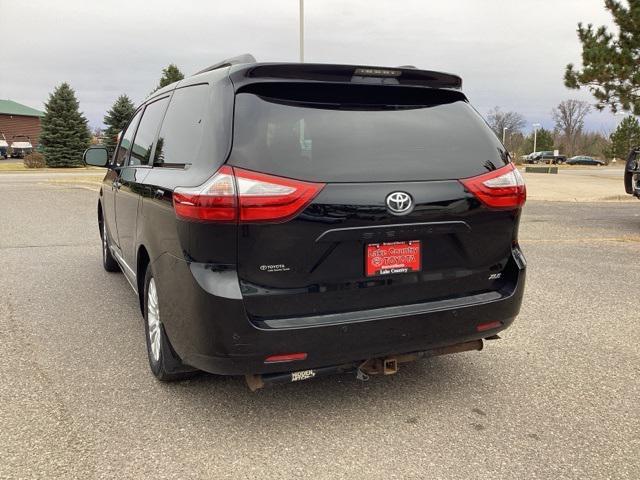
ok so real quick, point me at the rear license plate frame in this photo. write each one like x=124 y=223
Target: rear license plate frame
x=392 y=258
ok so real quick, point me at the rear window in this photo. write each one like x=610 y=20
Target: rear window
x=391 y=138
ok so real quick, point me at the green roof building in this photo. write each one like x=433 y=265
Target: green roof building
x=17 y=119
x=9 y=107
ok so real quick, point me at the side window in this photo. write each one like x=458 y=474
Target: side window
x=146 y=133
x=127 y=137
x=181 y=133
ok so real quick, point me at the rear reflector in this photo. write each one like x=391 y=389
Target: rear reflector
x=233 y=194
x=483 y=327
x=285 y=357
x=503 y=188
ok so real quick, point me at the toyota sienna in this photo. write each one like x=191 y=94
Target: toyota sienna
x=284 y=221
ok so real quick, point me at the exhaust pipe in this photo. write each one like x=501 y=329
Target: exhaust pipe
x=373 y=366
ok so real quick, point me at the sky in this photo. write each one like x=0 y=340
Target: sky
x=510 y=54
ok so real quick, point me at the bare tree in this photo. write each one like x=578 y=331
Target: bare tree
x=569 y=117
x=515 y=143
x=499 y=120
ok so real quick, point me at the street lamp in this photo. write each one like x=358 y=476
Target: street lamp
x=301 y=31
x=504 y=131
x=535 y=126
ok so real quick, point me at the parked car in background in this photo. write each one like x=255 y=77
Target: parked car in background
x=534 y=157
x=545 y=157
x=4 y=146
x=584 y=160
x=632 y=173
x=286 y=221
x=21 y=146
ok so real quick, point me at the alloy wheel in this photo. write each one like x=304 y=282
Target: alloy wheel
x=153 y=320
x=104 y=241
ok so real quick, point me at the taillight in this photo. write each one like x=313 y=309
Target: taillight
x=213 y=201
x=266 y=198
x=502 y=188
x=233 y=194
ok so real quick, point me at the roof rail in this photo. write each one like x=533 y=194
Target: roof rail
x=245 y=58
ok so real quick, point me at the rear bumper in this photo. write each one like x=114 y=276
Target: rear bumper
x=212 y=332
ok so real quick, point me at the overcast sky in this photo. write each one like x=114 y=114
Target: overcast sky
x=509 y=53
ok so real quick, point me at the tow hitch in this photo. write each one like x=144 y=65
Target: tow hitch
x=373 y=366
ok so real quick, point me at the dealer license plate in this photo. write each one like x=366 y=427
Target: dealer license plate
x=392 y=257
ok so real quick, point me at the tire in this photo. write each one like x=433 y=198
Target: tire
x=164 y=362
x=108 y=262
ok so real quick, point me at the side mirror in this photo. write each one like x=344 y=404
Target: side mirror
x=96 y=156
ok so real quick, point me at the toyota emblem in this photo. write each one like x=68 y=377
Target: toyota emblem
x=399 y=203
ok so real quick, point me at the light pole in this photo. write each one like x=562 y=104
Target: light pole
x=504 y=131
x=536 y=126
x=301 y=31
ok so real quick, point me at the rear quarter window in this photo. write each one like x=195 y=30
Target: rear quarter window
x=181 y=135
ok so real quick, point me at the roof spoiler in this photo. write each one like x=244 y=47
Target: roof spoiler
x=403 y=76
x=244 y=58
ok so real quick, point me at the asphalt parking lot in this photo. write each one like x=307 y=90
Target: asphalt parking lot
x=557 y=397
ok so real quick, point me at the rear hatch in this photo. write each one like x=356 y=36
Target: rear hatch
x=389 y=222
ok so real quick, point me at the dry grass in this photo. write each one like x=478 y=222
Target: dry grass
x=13 y=166
x=18 y=166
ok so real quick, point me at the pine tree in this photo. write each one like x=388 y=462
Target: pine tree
x=169 y=75
x=625 y=137
x=544 y=141
x=117 y=119
x=65 y=134
x=610 y=61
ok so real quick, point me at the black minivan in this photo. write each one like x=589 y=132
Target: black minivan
x=284 y=221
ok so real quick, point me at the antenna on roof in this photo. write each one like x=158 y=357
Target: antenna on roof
x=245 y=58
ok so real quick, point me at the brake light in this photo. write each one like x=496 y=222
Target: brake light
x=503 y=188
x=234 y=194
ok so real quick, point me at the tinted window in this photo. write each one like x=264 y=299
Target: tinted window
x=354 y=142
x=146 y=133
x=125 y=143
x=181 y=133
